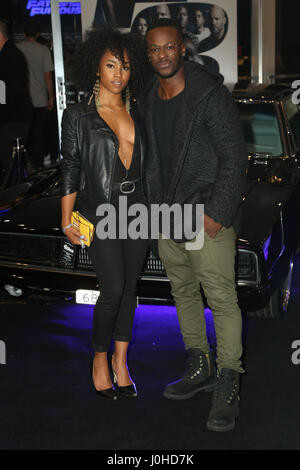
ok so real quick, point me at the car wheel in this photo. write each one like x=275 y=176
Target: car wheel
x=279 y=301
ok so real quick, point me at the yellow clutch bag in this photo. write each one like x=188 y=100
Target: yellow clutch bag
x=84 y=226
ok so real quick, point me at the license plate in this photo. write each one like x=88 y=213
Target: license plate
x=88 y=297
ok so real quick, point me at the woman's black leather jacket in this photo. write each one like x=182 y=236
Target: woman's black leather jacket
x=90 y=149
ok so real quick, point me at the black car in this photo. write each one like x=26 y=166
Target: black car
x=34 y=254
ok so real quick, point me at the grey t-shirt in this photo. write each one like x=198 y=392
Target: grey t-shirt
x=39 y=61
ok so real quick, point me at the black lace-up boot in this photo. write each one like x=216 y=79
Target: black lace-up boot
x=225 y=406
x=200 y=375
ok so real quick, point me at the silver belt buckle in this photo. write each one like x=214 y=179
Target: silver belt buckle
x=127 y=182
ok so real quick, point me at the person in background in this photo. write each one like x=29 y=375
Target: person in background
x=195 y=152
x=219 y=29
x=15 y=107
x=40 y=65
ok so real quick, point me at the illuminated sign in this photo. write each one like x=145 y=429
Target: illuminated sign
x=43 y=7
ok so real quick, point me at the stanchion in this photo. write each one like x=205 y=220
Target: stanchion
x=17 y=170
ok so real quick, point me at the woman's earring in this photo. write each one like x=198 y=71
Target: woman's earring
x=96 y=86
x=96 y=89
x=127 y=100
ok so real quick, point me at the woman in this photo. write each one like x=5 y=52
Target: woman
x=102 y=150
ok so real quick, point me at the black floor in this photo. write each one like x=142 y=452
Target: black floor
x=47 y=400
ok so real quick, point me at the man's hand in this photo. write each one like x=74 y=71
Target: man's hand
x=211 y=227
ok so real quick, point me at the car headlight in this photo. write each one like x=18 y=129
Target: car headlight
x=247 y=267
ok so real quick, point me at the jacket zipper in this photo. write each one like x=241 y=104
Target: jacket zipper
x=108 y=129
x=170 y=196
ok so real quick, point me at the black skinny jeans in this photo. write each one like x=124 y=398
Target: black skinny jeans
x=118 y=264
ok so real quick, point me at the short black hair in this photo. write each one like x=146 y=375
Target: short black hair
x=163 y=22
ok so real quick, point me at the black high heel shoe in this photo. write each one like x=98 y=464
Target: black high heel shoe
x=106 y=393
x=127 y=390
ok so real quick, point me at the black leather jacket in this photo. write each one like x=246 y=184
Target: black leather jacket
x=90 y=149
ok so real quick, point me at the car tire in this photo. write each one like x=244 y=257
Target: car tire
x=279 y=301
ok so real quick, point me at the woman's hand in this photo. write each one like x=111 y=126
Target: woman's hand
x=74 y=236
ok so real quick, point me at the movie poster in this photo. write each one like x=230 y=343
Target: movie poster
x=209 y=29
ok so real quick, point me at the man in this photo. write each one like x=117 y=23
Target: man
x=40 y=65
x=15 y=107
x=197 y=155
x=219 y=23
x=202 y=32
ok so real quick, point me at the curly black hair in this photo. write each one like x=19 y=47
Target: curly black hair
x=86 y=58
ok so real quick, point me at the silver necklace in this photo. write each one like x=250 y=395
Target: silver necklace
x=99 y=105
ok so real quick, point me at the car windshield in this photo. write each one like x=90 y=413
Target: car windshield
x=261 y=128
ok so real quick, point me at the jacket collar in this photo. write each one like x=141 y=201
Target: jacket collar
x=199 y=82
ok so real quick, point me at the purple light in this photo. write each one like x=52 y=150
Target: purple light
x=266 y=247
x=152 y=325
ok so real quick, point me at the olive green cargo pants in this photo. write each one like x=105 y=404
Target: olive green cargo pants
x=214 y=267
